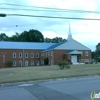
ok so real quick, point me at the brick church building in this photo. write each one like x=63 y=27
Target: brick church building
x=33 y=54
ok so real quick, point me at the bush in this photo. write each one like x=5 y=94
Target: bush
x=9 y=63
x=86 y=62
x=62 y=64
x=46 y=61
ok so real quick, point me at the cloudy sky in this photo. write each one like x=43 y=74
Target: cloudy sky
x=85 y=31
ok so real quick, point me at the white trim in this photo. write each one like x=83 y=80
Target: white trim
x=14 y=54
x=20 y=54
x=20 y=63
x=86 y=53
x=32 y=55
x=32 y=63
x=14 y=63
x=26 y=63
x=37 y=55
x=26 y=54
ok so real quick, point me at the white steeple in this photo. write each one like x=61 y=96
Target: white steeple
x=69 y=33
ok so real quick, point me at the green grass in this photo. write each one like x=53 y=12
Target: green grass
x=20 y=74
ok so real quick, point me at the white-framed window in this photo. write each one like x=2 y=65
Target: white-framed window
x=32 y=55
x=43 y=54
x=51 y=53
x=20 y=63
x=20 y=55
x=86 y=53
x=14 y=63
x=37 y=55
x=26 y=55
x=32 y=63
x=48 y=53
x=37 y=63
x=51 y=62
x=42 y=61
x=14 y=54
x=26 y=63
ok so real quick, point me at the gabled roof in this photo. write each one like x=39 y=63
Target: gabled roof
x=73 y=52
x=54 y=46
x=67 y=45
x=72 y=45
x=24 y=45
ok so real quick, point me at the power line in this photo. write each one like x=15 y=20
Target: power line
x=47 y=8
x=53 y=17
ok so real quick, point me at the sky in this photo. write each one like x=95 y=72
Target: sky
x=86 y=32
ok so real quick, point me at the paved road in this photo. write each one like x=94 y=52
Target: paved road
x=66 y=89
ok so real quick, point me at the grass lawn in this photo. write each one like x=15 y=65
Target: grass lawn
x=19 y=74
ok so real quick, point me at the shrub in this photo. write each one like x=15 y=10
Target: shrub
x=86 y=62
x=46 y=61
x=63 y=63
x=9 y=63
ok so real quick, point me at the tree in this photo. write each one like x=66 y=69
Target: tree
x=9 y=63
x=46 y=61
x=47 y=40
x=63 y=63
x=15 y=37
x=4 y=37
x=31 y=36
x=54 y=40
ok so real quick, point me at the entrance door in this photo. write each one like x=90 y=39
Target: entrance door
x=74 y=58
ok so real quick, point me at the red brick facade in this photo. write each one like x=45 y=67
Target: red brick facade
x=30 y=57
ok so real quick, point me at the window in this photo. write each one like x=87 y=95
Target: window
x=26 y=55
x=51 y=62
x=20 y=63
x=32 y=55
x=14 y=55
x=51 y=53
x=37 y=63
x=37 y=55
x=14 y=63
x=48 y=53
x=26 y=63
x=86 y=53
x=32 y=63
x=43 y=54
x=20 y=55
x=42 y=61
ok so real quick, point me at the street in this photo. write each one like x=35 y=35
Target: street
x=60 y=89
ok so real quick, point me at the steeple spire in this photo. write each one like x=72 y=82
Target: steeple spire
x=69 y=33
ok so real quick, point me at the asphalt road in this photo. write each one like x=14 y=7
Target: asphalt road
x=62 y=89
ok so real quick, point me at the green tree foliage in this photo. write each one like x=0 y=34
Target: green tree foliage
x=46 y=61
x=26 y=36
x=62 y=64
x=58 y=39
x=31 y=36
x=4 y=37
x=15 y=37
x=54 y=40
x=9 y=63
